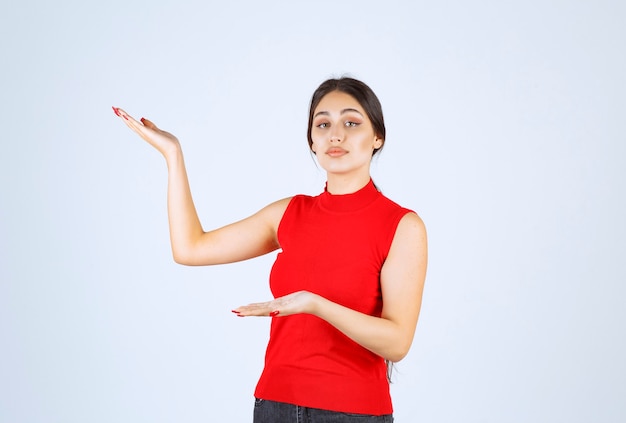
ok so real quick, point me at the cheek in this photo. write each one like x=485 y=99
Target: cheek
x=315 y=141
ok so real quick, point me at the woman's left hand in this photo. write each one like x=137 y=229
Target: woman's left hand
x=296 y=303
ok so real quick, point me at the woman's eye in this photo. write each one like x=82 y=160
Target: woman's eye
x=351 y=124
x=322 y=125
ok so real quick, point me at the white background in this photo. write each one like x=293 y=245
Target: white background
x=506 y=133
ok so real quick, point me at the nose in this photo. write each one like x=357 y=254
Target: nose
x=336 y=135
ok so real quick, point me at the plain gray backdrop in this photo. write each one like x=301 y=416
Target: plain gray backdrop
x=506 y=133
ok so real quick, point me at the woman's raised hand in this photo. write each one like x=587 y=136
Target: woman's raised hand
x=164 y=142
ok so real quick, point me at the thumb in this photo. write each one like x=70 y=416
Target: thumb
x=147 y=123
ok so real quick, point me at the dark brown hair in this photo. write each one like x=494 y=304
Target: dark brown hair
x=361 y=93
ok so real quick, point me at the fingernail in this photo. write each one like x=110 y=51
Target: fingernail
x=274 y=313
x=125 y=117
x=235 y=311
x=115 y=110
x=142 y=119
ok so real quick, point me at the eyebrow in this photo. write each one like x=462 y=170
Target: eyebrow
x=342 y=112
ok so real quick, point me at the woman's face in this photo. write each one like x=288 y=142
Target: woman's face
x=342 y=134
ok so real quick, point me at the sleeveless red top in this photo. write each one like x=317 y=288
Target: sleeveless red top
x=333 y=246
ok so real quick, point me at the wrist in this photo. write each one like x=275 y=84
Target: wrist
x=316 y=304
x=173 y=154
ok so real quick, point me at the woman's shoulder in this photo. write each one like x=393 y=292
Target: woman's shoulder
x=393 y=207
x=277 y=208
x=401 y=218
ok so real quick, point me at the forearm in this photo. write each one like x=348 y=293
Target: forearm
x=377 y=334
x=184 y=224
x=389 y=338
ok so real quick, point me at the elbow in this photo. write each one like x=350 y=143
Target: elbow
x=397 y=356
x=398 y=352
x=182 y=258
x=188 y=258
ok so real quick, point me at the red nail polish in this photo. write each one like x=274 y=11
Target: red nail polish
x=274 y=313
x=116 y=111
x=125 y=117
x=235 y=311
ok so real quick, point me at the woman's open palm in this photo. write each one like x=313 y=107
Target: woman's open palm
x=163 y=141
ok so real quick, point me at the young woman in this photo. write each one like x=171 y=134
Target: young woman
x=349 y=276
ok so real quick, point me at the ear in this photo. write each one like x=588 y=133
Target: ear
x=378 y=142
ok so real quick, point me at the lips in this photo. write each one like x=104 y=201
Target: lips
x=336 y=152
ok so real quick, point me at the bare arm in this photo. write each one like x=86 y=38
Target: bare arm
x=402 y=282
x=191 y=245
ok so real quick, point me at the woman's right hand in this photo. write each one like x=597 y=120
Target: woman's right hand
x=163 y=141
x=247 y=238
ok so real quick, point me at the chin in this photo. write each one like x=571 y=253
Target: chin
x=336 y=169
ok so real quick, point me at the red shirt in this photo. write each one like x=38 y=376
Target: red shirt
x=333 y=246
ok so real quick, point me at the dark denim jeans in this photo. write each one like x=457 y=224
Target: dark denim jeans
x=278 y=412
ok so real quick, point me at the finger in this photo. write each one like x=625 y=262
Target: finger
x=257 y=313
x=138 y=126
x=121 y=113
x=256 y=309
x=149 y=124
x=135 y=125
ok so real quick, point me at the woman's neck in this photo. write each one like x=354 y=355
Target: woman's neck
x=338 y=184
